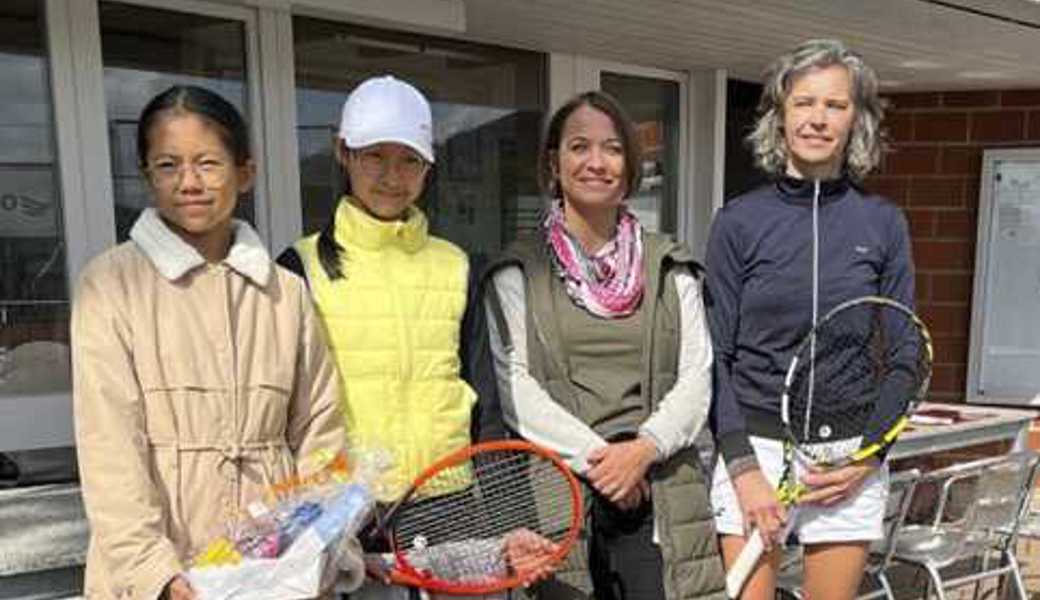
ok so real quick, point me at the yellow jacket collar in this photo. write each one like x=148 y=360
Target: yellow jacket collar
x=361 y=228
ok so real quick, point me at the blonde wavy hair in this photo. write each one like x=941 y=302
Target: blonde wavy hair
x=866 y=140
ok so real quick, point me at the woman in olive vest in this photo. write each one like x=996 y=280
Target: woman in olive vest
x=602 y=354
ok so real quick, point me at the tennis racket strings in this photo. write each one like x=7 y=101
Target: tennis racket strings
x=515 y=512
x=866 y=367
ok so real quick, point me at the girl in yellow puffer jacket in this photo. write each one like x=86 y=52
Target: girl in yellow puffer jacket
x=395 y=300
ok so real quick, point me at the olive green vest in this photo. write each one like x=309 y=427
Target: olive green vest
x=603 y=360
x=682 y=511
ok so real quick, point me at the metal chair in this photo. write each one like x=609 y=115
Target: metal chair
x=979 y=510
x=901 y=487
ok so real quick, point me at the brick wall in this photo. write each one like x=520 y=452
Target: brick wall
x=933 y=173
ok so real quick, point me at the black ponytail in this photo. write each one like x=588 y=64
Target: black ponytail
x=329 y=251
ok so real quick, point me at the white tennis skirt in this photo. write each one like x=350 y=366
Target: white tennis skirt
x=855 y=519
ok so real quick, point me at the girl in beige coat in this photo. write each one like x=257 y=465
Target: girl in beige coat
x=200 y=373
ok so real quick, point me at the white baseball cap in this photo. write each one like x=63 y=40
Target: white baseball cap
x=385 y=109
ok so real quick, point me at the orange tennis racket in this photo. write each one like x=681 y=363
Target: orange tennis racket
x=486 y=518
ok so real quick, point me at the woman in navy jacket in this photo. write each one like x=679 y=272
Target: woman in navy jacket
x=779 y=257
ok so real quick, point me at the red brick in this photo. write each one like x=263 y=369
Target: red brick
x=941 y=127
x=971 y=193
x=922 y=288
x=937 y=191
x=946 y=321
x=952 y=287
x=950 y=350
x=914 y=100
x=922 y=223
x=914 y=160
x=893 y=188
x=947 y=397
x=899 y=126
x=961 y=160
x=948 y=378
x=1034 y=125
x=998 y=126
x=944 y=255
x=956 y=225
x=971 y=99
x=1020 y=97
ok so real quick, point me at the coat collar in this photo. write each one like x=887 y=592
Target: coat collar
x=800 y=191
x=173 y=257
x=358 y=227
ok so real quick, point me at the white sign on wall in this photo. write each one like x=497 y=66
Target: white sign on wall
x=1005 y=344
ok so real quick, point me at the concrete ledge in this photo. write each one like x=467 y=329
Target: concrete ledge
x=43 y=585
x=43 y=528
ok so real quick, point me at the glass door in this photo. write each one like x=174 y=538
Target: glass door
x=655 y=101
x=34 y=288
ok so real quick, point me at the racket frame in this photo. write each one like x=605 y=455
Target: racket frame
x=403 y=573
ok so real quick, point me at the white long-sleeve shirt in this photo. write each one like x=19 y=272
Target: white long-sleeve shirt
x=530 y=411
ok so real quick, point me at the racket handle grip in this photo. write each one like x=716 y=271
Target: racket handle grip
x=746 y=561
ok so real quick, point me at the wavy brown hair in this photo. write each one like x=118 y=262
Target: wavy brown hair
x=866 y=140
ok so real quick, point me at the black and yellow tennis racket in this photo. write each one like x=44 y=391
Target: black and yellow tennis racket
x=849 y=391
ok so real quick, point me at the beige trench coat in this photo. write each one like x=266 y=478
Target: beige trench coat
x=191 y=394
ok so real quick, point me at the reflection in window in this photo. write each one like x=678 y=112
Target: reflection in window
x=653 y=105
x=33 y=286
x=34 y=315
x=145 y=51
x=487 y=108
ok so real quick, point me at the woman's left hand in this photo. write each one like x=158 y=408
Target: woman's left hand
x=827 y=488
x=618 y=468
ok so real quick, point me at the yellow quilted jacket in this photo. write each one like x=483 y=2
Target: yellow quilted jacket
x=393 y=321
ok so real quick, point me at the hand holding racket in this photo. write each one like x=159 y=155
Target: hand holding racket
x=848 y=392
x=484 y=519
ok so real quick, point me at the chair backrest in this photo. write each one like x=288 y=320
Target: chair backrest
x=1003 y=494
x=901 y=487
x=985 y=497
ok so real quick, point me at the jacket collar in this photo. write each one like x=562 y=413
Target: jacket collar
x=357 y=226
x=800 y=191
x=173 y=257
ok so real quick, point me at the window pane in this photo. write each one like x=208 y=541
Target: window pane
x=34 y=313
x=487 y=106
x=653 y=104
x=145 y=51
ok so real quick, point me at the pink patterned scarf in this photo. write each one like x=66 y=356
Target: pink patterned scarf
x=608 y=284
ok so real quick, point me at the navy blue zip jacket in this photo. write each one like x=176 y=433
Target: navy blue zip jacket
x=759 y=290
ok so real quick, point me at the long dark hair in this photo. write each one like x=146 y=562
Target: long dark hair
x=330 y=252
x=202 y=102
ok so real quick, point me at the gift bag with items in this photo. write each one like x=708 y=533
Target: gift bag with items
x=297 y=540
